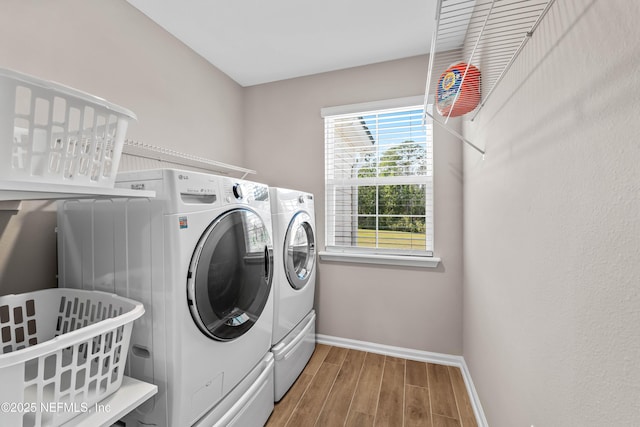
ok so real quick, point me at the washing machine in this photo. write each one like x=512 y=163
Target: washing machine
x=200 y=258
x=294 y=284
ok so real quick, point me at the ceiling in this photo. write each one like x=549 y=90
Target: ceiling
x=261 y=41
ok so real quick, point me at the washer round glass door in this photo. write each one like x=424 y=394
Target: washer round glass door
x=299 y=250
x=229 y=277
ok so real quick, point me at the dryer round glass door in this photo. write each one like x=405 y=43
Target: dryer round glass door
x=299 y=250
x=229 y=277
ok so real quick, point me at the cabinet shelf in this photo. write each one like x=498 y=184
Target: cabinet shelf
x=488 y=34
x=129 y=396
x=22 y=190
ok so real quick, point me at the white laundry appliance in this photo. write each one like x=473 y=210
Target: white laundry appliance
x=199 y=257
x=294 y=277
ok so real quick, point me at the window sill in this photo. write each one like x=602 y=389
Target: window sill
x=402 y=260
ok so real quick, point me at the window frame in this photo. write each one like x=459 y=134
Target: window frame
x=391 y=256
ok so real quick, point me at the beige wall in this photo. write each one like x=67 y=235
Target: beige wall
x=28 y=248
x=110 y=49
x=552 y=227
x=182 y=102
x=284 y=141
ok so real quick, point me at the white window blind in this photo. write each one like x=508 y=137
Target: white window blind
x=379 y=181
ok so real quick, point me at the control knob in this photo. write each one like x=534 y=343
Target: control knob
x=237 y=191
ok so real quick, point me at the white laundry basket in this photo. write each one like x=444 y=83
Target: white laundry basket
x=63 y=350
x=50 y=133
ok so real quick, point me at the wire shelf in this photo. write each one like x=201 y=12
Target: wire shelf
x=486 y=34
x=164 y=157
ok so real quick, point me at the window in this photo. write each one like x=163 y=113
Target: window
x=379 y=178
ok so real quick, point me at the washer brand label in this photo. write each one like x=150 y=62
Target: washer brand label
x=137 y=186
x=183 y=222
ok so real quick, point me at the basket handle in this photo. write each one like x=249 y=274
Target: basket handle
x=73 y=337
x=66 y=90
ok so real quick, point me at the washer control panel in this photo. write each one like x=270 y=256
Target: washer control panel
x=238 y=191
x=196 y=189
x=196 y=184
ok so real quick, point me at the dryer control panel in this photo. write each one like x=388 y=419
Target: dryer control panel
x=304 y=198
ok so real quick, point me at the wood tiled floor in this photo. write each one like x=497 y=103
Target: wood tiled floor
x=347 y=387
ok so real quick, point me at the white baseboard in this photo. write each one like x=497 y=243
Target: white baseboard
x=473 y=395
x=419 y=355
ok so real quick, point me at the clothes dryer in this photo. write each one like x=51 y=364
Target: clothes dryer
x=199 y=256
x=294 y=284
